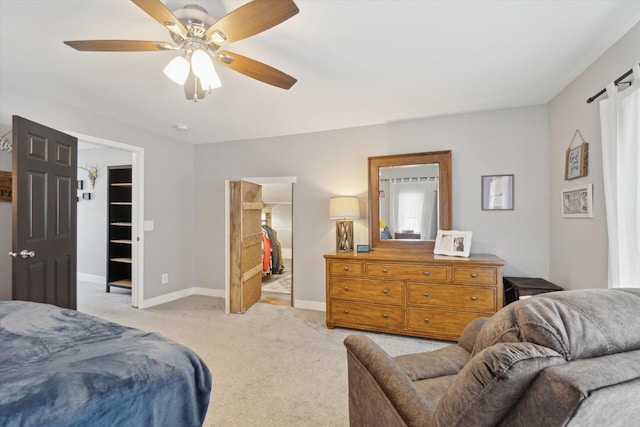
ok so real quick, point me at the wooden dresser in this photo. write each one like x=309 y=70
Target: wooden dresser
x=411 y=293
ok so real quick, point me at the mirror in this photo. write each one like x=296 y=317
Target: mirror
x=409 y=199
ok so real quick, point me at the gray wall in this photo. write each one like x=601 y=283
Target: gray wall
x=578 y=247
x=92 y=214
x=168 y=181
x=187 y=204
x=513 y=141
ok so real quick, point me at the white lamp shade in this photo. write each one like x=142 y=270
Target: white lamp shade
x=177 y=70
x=344 y=208
x=212 y=81
x=202 y=64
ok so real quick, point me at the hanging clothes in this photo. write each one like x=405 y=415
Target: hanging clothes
x=266 y=252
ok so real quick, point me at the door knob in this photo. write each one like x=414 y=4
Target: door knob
x=23 y=253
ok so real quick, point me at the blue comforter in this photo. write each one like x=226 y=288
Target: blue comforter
x=59 y=367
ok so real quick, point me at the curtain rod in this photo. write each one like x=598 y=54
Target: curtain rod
x=618 y=80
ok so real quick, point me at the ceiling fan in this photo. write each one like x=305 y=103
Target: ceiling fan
x=200 y=36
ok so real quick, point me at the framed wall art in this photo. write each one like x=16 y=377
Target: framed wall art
x=453 y=243
x=577 y=202
x=497 y=192
x=576 y=159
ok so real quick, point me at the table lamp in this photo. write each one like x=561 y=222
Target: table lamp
x=344 y=209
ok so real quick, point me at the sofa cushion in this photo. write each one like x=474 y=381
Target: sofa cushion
x=588 y=392
x=485 y=389
x=470 y=333
x=577 y=324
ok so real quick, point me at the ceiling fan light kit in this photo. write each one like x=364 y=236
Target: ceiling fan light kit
x=200 y=36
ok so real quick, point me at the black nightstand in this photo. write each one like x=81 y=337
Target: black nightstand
x=516 y=287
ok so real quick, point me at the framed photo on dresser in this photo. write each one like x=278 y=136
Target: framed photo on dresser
x=453 y=243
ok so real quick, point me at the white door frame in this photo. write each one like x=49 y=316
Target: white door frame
x=137 y=250
x=227 y=222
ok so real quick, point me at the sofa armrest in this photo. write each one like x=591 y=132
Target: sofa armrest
x=432 y=364
x=380 y=392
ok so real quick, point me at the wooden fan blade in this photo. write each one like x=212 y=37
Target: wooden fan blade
x=250 y=19
x=119 y=45
x=160 y=13
x=256 y=70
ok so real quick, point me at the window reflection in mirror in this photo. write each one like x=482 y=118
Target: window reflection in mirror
x=409 y=202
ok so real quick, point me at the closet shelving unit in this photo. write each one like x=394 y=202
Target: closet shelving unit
x=119 y=216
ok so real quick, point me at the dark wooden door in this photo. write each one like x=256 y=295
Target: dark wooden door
x=246 y=245
x=44 y=214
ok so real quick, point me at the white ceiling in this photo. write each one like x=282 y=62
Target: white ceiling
x=358 y=62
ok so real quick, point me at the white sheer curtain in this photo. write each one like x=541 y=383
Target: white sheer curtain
x=414 y=207
x=620 y=123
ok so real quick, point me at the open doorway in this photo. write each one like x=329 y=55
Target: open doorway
x=98 y=157
x=277 y=226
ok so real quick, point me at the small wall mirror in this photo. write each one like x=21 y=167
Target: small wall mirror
x=409 y=199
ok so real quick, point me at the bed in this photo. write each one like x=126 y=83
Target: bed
x=59 y=367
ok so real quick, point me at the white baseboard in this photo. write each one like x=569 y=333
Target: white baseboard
x=310 y=305
x=92 y=278
x=219 y=293
x=163 y=299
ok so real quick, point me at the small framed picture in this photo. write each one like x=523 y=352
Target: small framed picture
x=577 y=202
x=497 y=192
x=362 y=248
x=453 y=243
x=576 y=162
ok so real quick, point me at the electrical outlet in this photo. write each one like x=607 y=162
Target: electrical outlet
x=165 y=278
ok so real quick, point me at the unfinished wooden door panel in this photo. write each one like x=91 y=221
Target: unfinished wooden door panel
x=246 y=245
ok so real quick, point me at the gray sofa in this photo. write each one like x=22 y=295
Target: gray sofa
x=568 y=358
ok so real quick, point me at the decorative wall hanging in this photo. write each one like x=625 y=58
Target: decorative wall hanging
x=497 y=192
x=93 y=174
x=576 y=158
x=5 y=144
x=577 y=202
x=5 y=186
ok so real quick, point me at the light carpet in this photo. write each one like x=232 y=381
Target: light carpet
x=271 y=366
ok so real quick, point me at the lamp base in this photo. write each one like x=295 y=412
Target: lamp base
x=344 y=236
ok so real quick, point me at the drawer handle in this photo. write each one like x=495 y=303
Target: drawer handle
x=346 y=312
x=346 y=269
x=386 y=291
x=426 y=320
x=385 y=270
x=426 y=273
x=385 y=315
x=346 y=288
x=474 y=275
x=474 y=298
x=426 y=294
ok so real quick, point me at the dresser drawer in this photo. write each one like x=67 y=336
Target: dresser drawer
x=425 y=273
x=346 y=268
x=477 y=298
x=438 y=321
x=482 y=275
x=383 y=291
x=358 y=313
